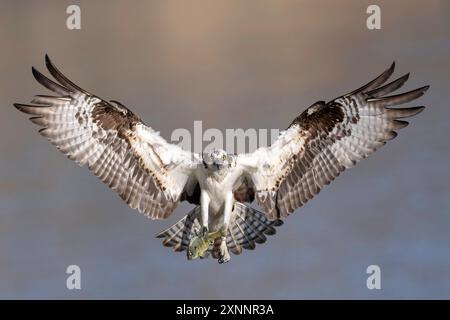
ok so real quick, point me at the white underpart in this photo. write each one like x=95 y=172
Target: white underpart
x=204 y=204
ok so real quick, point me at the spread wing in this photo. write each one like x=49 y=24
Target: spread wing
x=323 y=141
x=148 y=173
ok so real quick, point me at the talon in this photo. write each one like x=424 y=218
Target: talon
x=196 y=232
x=224 y=260
x=204 y=231
x=224 y=255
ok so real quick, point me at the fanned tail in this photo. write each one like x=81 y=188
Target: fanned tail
x=248 y=228
x=178 y=235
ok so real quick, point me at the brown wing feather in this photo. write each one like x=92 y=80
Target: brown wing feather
x=103 y=135
x=333 y=136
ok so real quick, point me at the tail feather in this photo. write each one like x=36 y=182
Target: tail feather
x=179 y=234
x=249 y=227
x=232 y=243
x=251 y=232
x=240 y=230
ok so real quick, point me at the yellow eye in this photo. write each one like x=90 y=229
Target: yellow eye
x=224 y=157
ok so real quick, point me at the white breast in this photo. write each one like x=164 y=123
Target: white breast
x=216 y=184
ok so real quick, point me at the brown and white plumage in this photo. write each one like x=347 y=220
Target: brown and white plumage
x=249 y=227
x=153 y=176
x=324 y=140
x=148 y=173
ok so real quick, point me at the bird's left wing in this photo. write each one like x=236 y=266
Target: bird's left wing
x=149 y=174
x=323 y=141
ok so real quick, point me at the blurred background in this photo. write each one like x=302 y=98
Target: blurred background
x=231 y=64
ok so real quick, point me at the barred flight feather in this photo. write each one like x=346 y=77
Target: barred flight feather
x=330 y=138
x=113 y=142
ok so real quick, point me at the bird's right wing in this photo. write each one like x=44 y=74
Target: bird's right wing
x=323 y=141
x=149 y=174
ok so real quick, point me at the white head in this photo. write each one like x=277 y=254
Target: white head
x=217 y=160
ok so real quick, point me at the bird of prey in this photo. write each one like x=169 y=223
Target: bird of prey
x=154 y=176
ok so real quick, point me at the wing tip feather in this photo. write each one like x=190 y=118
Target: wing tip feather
x=37 y=74
x=400 y=124
x=19 y=107
x=392 y=67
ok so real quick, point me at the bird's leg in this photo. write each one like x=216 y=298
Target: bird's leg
x=204 y=207
x=224 y=255
x=228 y=207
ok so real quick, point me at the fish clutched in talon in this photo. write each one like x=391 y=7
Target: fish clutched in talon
x=153 y=176
x=199 y=244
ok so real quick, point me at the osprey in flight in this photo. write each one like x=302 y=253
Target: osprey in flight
x=154 y=176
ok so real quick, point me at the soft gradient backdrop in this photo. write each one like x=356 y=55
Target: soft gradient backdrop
x=232 y=64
